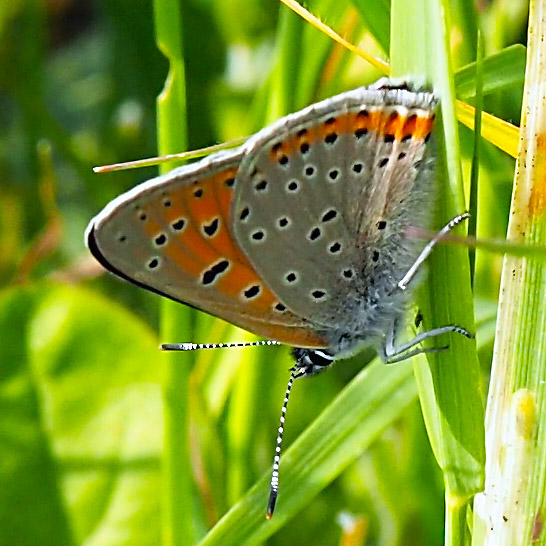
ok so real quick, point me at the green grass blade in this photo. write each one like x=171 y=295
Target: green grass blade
x=171 y=116
x=501 y=70
x=369 y=404
x=286 y=65
x=465 y=25
x=243 y=421
x=474 y=173
x=449 y=385
x=510 y=511
x=376 y=16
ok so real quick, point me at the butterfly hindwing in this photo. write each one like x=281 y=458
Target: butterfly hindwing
x=314 y=191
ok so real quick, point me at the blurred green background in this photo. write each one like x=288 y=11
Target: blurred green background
x=81 y=419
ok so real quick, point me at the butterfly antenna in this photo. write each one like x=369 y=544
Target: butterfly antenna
x=197 y=346
x=274 y=483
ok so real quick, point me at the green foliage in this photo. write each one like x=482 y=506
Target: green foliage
x=81 y=420
x=85 y=394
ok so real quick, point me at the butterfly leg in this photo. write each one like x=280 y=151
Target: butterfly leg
x=392 y=354
x=403 y=284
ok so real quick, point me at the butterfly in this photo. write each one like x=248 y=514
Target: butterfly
x=301 y=234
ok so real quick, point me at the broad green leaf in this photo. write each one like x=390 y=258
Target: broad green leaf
x=82 y=428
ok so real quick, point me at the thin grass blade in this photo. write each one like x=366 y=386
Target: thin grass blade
x=449 y=385
x=510 y=511
x=176 y=321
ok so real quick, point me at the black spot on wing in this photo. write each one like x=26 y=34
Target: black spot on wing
x=210 y=275
x=211 y=228
x=94 y=248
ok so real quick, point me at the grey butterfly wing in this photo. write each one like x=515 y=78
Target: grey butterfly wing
x=323 y=197
x=172 y=235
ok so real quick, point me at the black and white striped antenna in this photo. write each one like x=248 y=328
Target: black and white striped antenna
x=294 y=373
x=197 y=346
x=274 y=483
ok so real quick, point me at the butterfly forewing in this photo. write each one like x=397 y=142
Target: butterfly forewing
x=172 y=235
x=314 y=190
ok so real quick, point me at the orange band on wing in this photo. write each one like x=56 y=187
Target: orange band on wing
x=389 y=122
